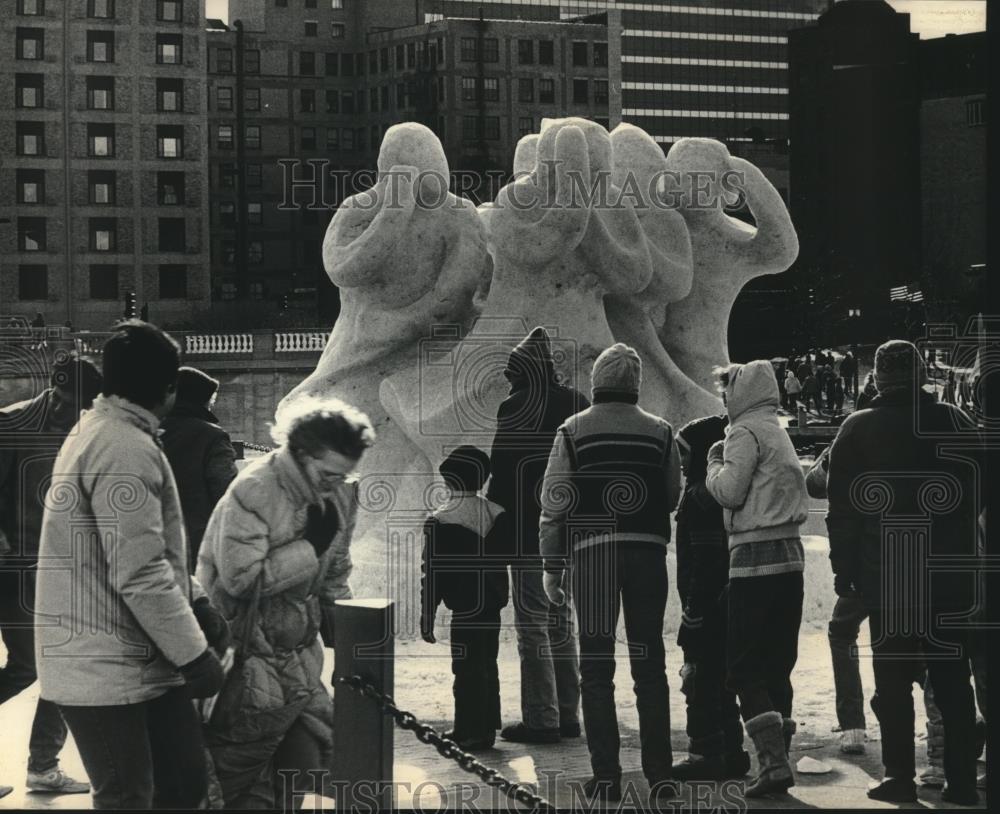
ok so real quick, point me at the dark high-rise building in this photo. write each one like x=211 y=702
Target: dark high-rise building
x=102 y=126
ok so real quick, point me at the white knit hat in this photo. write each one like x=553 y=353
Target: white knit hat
x=618 y=369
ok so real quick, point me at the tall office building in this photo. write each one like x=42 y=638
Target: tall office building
x=102 y=122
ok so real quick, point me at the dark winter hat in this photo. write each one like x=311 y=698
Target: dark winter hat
x=532 y=356
x=898 y=366
x=465 y=469
x=617 y=370
x=195 y=386
x=698 y=436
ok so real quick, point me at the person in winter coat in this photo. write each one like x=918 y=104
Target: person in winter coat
x=526 y=427
x=792 y=389
x=715 y=732
x=868 y=392
x=612 y=479
x=119 y=639
x=465 y=566
x=275 y=557
x=849 y=370
x=756 y=476
x=810 y=393
x=31 y=433
x=886 y=467
x=200 y=453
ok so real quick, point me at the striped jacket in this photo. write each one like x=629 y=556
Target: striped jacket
x=613 y=476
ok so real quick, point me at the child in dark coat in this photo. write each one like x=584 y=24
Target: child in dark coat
x=465 y=566
x=715 y=732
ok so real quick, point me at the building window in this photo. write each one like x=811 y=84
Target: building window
x=525 y=126
x=333 y=139
x=173 y=282
x=581 y=91
x=252 y=137
x=600 y=91
x=103 y=234
x=347 y=64
x=228 y=252
x=31 y=43
x=100 y=46
x=359 y=138
x=101 y=184
x=383 y=56
x=376 y=135
x=384 y=96
x=170 y=95
x=32 y=282
x=526 y=52
x=400 y=96
x=100 y=93
x=255 y=256
x=30 y=138
x=251 y=61
x=169 y=11
x=373 y=100
x=491 y=128
x=170 y=188
x=469 y=89
x=169 y=49
x=227 y=213
x=546 y=52
x=411 y=55
x=372 y=62
x=975 y=112
x=31 y=8
x=31 y=186
x=546 y=91
x=310 y=3
x=255 y=213
x=29 y=90
x=333 y=101
x=359 y=64
x=470 y=128
x=31 y=234
x=225 y=137
x=101 y=140
x=103 y=282
x=172 y=235
x=308 y=138
x=307 y=100
x=400 y=57
x=526 y=90
x=491 y=49
x=332 y=64
x=337 y=31
x=223 y=60
x=347 y=139
x=223 y=98
x=580 y=55
x=336 y=4
x=251 y=99
x=469 y=50
x=101 y=9
x=347 y=103
x=227 y=176
x=491 y=89
x=311 y=28
x=170 y=141
x=254 y=175
x=307 y=63
x=601 y=54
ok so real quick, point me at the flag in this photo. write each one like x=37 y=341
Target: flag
x=906 y=293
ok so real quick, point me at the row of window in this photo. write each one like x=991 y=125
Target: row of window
x=32 y=234
x=101 y=94
x=30 y=140
x=487 y=89
x=30 y=46
x=337 y=138
x=167 y=11
x=334 y=4
x=33 y=282
x=170 y=186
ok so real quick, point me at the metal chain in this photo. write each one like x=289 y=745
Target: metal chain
x=256 y=447
x=448 y=748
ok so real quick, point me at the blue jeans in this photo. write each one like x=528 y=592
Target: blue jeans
x=845 y=624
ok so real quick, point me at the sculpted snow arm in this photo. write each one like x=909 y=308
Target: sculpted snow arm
x=774 y=246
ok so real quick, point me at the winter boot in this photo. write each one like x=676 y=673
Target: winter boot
x=737 y=764
x=775 y=776
x=788 y=729
x=933 y=775
x=699 y=767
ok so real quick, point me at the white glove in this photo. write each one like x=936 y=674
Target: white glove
x=552 y=583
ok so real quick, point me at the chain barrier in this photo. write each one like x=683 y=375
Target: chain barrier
x=448 y=748
x=256 y=447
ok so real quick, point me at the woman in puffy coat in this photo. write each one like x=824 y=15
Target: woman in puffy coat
x=274 y=558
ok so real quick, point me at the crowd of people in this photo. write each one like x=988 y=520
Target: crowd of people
x=183 y=646
x=818 y=381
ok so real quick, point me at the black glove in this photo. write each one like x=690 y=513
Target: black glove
x=203 y=676
x=321 y=527
x=843 y=586
x=213 y=625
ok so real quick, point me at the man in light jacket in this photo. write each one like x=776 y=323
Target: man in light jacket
x=118 y=645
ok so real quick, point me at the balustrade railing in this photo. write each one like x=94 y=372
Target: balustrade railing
x=300 y=341
x=218 y=344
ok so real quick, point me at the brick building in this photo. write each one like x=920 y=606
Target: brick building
x=102 y=122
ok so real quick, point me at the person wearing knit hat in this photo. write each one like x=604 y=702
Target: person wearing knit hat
x=612 y=479
x=200 y=453
x=526 y=426
x=896 y=444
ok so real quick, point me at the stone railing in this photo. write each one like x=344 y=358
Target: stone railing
x=300 y=341
x=218 y=344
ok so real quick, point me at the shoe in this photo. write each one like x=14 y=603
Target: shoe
x=603 y=789
x=470 y=743
x=852 y=742
x=932 y=776
x=55 y=781
x=569 y=730
x=522 y=733
x=965 y=797
x=768 y=736
x=700 y=767
x=661 y=790
x=893 y=790
x=737 y=765
x=5 y=790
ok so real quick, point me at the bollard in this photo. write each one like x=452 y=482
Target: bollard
x=803 y=416
x=362 y=734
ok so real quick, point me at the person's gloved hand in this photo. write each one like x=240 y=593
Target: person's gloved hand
x=213 y=624
x=688 y=671
x=843 y=586
x=203 y=676
x=321 y=527
x=552 y=582
x=716 y=452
